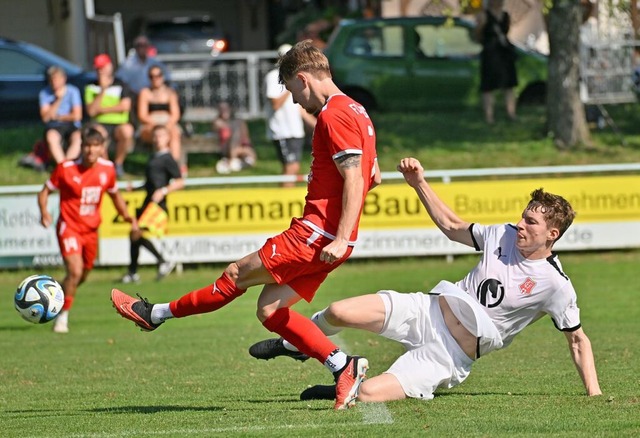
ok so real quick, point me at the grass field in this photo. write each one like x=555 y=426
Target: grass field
x=194 y=377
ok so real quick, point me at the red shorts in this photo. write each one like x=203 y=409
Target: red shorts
x=293 y=258
x=73 y=242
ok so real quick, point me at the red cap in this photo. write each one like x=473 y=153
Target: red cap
x=101 y=60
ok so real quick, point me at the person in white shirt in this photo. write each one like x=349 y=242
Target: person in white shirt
x=285 y=122
x=517 y=281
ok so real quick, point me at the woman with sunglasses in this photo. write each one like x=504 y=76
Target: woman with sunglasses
x=158 y=105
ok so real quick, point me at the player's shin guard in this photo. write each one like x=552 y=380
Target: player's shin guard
x=207 y=299
x=301 y=332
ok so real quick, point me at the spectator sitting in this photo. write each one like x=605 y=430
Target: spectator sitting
x=108 y=102
x=61 y=112
x=134 y=70
x=158 y=105
x=234 y=140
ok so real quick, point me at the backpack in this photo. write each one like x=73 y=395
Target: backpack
x=39 y=158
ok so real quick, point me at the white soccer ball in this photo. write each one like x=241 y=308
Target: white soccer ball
x=39 y=299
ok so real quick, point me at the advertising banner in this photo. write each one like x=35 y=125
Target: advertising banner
x=219 y=225
x=23 y=241
x=224 y=224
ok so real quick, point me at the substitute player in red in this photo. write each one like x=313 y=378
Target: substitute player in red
x=81 y=184
x=292 y=265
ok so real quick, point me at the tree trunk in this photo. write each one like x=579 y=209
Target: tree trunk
x=634 y=19
x=565 y=111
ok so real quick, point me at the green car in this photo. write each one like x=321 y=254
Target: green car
x=417 y=63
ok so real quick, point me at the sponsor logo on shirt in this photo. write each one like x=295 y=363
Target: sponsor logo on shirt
x=490 y=292
x=89 y=200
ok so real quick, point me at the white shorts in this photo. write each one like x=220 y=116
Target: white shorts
x=433 y=358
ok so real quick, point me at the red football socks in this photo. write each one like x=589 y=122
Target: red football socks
x=301 y=332
x=207 y=299
x=68 y=302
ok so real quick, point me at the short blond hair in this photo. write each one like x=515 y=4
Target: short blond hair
x=303 y=57
x=56 y=70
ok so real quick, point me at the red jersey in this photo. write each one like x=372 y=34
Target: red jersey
x=81 y=191
x=343 y=127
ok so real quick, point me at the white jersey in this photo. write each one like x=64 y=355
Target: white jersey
x=287 y=121
x=515 y=291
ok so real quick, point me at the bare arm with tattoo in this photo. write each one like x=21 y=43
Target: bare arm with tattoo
x=349 y=167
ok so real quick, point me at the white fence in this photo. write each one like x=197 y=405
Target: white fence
x=607 y=72
x=446 y=175
x=237 y=77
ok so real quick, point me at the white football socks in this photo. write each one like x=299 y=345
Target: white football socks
x=336 y=361
x=322 y=323
x=160 y=313
x=63 y=317
x=289 y=346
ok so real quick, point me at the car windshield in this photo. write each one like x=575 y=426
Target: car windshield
x=53 y=59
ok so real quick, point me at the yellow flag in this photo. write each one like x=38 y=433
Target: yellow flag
x=154 y=220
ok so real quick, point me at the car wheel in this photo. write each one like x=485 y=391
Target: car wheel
x=533 y=94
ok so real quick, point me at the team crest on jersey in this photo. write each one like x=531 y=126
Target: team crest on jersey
x=527 y=286
x=103 y=178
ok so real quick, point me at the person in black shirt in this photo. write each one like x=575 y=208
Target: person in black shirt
x=162 y=176
x=497 y=60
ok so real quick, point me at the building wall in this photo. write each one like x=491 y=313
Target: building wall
x=46 y=23
x=56 y=25
x=27 y=20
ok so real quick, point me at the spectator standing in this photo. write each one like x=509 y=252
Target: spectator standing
x=61 y=112
x=108 y=102
x=497 y=59
x=162 y=177
x=285 y=123
x=158 y=105
x=135 y=69
x=234 y=141
x=81 y=184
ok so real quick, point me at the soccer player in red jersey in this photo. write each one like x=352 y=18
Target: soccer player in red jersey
x=81 y=184
x=293 y=264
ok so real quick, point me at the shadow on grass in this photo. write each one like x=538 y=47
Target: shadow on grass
x=14 y=328
x=155 y=409
x=497 y=393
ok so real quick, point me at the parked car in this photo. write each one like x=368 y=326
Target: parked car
x=180 y=32
x=23 y=69
x=415 y=63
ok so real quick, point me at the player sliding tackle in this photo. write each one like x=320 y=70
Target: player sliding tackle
x=517 y=281
x=292 y=265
